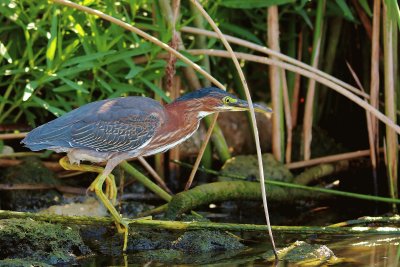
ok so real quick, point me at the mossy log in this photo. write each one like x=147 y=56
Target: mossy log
x=316 y=172
x=232 y=190
x=148 y=223
x=304 y=187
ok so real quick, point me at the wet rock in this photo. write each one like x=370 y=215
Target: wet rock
x=247 y=166
x=300 y=251
x=192 y=242
x=206 y=241
x=31 y=171
x=31 y=240
x=304 y=254
x=150 y=240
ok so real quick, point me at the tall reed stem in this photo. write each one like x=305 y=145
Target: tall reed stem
x=308 y=112
x=389 y=41
x=373 y=133
x=276 y=85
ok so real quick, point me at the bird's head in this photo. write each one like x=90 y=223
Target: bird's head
x=209 y=100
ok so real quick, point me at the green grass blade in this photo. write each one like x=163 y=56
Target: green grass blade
x=346 y=9
x=87 y=58
x=4 y=53
x=52 y=44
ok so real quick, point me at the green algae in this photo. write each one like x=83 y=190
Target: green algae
x=206 y=241
x=40 y=241
x=192 y=242
x=22 y=263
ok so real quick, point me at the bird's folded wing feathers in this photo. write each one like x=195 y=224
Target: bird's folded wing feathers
x=118 y=136
x=113 y=125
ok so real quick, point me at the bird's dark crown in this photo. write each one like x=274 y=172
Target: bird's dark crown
x=205 y=92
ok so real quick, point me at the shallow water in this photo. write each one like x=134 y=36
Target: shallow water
x=370 y=250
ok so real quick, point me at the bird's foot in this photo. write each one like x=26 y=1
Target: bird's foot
x=64 y=162
x=111 y=189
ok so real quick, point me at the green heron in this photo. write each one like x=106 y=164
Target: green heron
x=117 y=129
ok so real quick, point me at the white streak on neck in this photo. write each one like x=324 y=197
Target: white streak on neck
x=203 y=114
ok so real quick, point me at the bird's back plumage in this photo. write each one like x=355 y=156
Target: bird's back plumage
x=112 y=125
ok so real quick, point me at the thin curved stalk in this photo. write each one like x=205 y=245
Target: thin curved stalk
x=201 y=152
x=265 y=60
x=252 y=113
x=266 y=50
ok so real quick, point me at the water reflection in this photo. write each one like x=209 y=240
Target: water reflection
x=372 y=250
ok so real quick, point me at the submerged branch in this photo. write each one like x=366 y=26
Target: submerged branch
x=181 y=226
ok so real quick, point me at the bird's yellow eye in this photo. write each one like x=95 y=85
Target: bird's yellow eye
x=227 y=100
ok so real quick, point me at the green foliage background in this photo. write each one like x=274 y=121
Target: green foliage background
x=54 y=58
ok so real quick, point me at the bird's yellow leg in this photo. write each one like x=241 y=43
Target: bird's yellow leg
x=111 y=188
x=97 y=187
x=122 y=226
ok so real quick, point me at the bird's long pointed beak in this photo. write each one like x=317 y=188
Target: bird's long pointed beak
x=241 y=105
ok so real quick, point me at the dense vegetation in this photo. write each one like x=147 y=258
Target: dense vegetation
x=55 y=58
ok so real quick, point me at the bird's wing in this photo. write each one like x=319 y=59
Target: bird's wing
x=122 y=135
x=113 y=125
